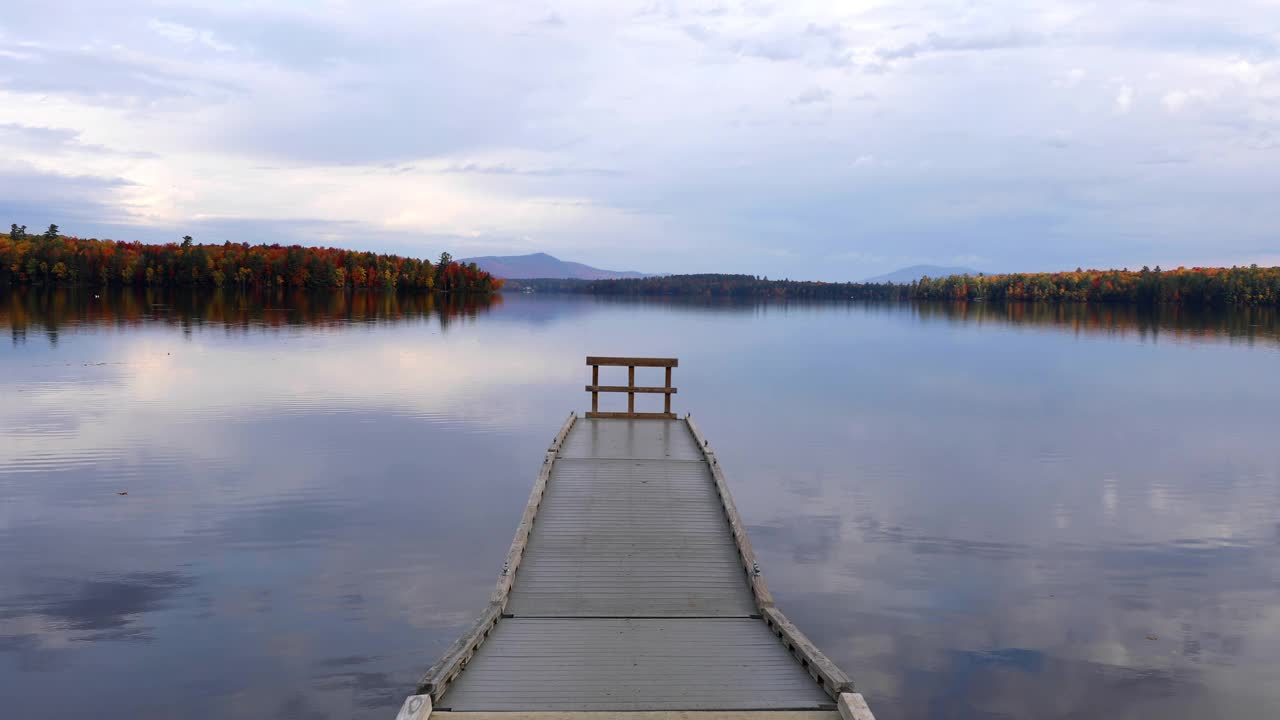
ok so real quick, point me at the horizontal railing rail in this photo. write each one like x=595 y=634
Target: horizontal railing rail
x=631 y=389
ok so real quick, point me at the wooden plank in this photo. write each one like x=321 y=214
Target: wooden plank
x=559 y=661
x=759 y=588
x=630 y=416
x=558 y=440
x=515 y=554
x=631 y=394
x=631 y=537
x=630 y=388
x=852 y=706
x=595 y=396
x=438 y=676
x=697 y=434
x=632 y=361
x=666 y=407
x=658 y=663
x=416 y=707
x=641 y=715
x=833 y=679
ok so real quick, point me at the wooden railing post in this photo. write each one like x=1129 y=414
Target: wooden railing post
x=595 y=382
x=630 y=363
x=666 y=407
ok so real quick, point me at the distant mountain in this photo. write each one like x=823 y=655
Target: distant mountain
x=915 y=272
x=542 y=265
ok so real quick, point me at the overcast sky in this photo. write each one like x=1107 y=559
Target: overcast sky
x=786 y=139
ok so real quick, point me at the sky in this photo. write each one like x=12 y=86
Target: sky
x=817 y=140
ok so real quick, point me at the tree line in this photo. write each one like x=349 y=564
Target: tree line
x=54 y=259
x=1209 y=287
x=1195 y=286
x=720 y=285
x=28 y=310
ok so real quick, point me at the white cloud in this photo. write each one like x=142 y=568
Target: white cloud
x=186 y=35
x=1124 y=100
x=1176 y=100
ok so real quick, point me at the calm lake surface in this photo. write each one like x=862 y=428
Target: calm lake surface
x=981 y=512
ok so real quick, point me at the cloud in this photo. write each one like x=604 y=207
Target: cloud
x=45 y=140
x=1124 y=100
x=107 y=608
x=935 y=43
x=100 y=74
x=38 y=198
x=1175 y=100
x=626 y=134
x=812 y=96
x=553 y=20
x=505 y=169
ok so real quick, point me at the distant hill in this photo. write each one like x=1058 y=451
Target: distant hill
x=542 y=265
x=915 y=272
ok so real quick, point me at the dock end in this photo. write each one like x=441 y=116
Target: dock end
x=416 y=707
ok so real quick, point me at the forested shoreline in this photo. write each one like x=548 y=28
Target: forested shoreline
x=54 y=259
x=51 y=259
x=1251 y=285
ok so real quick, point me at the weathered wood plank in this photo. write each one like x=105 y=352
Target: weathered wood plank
x=698 y=437
x=631 y=416
x=437 y=677
x=558 y=440
x=833 y=679
x=632 y=361
x=631 y=383
x=455 y=658
x=660 y=663
x=515 y=554
x=566 y=668
x=759 y=588
x=643 y=715
x=852 y=706
x=416 y=707
x=666 y=401
x=595 y=380
x=630 y=388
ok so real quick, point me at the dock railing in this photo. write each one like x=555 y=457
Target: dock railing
x=631 y=363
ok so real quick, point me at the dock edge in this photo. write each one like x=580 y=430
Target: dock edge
x=832 y=679
x=455 y=658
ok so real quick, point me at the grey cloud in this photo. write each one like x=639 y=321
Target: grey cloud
x=816 y=44
x=935 y=43
x=57 y=140
x=106 y=608
x=292 y=40
x=812 y=96
x=36 y=198
x=504 y=169
x=99 y=74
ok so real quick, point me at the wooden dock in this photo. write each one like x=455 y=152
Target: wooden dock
x=631 y=590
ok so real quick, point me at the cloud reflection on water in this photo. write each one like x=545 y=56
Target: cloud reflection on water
x=978 y=512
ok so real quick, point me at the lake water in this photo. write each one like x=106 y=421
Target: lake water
x=981 y=512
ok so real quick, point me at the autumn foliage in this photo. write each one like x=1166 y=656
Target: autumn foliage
x=1251 y=285
x=53 y=259
x=1191 y=287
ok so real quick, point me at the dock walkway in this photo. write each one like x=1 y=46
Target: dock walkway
x=637 y=592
